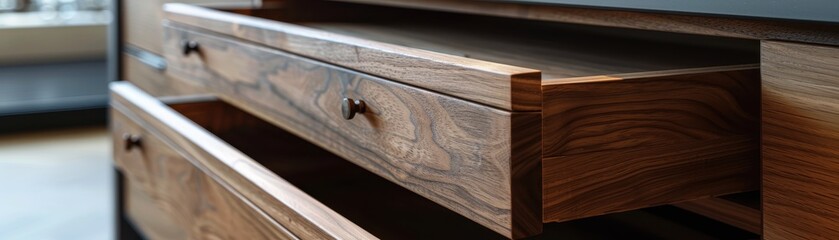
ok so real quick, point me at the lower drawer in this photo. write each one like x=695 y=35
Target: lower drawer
x=207 y=170
x=218 y=173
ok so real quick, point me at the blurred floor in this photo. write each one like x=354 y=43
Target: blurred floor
x=56 y=185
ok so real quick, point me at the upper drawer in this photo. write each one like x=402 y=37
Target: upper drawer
x=458 y=148
x=603 y=137
x=496 y=62
x=479 y=161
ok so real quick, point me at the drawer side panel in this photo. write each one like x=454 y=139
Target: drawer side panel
x=620 y=143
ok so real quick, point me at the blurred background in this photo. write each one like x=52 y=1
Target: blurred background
x=55 y=172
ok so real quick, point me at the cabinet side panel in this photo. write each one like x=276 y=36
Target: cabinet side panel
x=800 y=141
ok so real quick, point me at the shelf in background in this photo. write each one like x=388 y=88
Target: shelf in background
x=39 y=88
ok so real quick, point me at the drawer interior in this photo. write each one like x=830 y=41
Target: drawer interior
x=558 y=50
x=389 y=211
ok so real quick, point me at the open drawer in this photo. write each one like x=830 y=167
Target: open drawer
x=508 y=125
x=219 y=173
x=207 y=170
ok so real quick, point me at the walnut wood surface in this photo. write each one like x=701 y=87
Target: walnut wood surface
x=302 y=215
x=729 y=212
x=693 y=24
x=592 y=184
x=478 y=161
x=504 y=86
x=195 y=200
x=147 y=217
x=610 y=113
x=626 y=142
x=800 y=141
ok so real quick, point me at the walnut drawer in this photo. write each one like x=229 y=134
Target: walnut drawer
x=585 y=129
x=181 y=165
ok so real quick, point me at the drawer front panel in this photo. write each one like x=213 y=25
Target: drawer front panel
x=478 y=161
x=194 y=201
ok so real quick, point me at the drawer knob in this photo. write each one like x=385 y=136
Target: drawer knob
x=131 y=141
x=189 y=47
x=349 y=107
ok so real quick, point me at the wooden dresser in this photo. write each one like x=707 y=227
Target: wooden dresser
x=432 y=119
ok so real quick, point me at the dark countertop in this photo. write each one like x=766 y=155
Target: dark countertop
x=803 y=10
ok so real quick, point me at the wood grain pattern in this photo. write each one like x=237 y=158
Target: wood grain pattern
x=630 y=141
x=302 y=215
x=592 y=184
x=693 y=24
x=499 y=85
x=610 y=113
x=735 y=214
x=147 y=217
x=800 y=141
x=459 y=154
x=195 y=201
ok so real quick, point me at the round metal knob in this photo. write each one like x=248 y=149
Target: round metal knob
x=189 y=47
x=350 y=107
x=131 y=141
